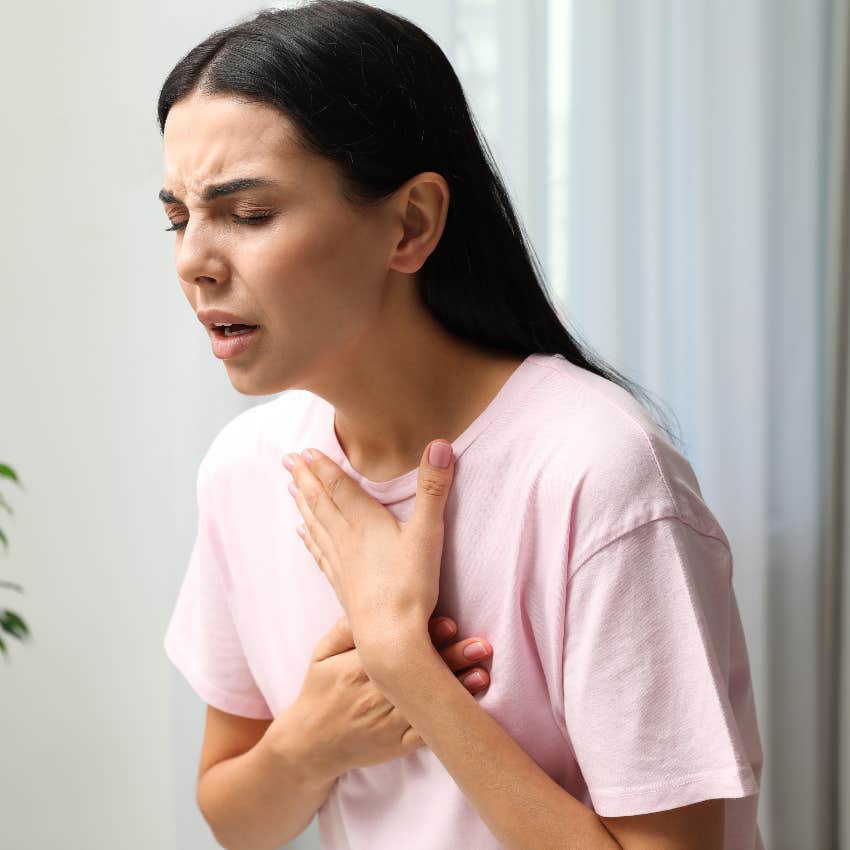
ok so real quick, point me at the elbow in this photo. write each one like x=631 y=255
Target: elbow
x=222 y=840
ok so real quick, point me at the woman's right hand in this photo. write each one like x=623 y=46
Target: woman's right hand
x=344 y=720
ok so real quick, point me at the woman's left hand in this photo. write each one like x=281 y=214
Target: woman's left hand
x=385 y=573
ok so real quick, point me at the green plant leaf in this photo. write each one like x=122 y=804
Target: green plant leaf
x=3 y=539
x=8 y=472
x=10 y=622
x=5 y=504
x=11 y=585
x=3 y=648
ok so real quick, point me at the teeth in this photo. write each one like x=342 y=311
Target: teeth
x=223 y=324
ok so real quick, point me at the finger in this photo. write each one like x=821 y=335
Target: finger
x=314 y=550
x=435 y=622
x=321 y=543
x=317 y=496
x=456 y=660
x=475 y=680
x=436 y=474
x=348 y=498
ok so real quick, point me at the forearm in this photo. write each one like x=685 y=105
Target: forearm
x=521 y=804
x=265 y=797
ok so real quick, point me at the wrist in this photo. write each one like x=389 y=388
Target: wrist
x=393 y=653
x=296 y=748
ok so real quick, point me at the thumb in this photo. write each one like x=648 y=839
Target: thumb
x=339 y=638
x=436 y=473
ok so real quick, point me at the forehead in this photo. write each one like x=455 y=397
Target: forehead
x=213 y=138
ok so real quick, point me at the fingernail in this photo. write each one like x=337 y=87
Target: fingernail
x=308 y=456
x=475 y=679
x=474 y=651
x=439 y=454
x=288 y=462
x=444 y=629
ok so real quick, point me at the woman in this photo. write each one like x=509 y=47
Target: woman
x=334 y=204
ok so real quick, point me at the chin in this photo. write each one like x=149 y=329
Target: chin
x=245 y=385
x=249 y=385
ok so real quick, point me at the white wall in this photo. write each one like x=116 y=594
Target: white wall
x=109 y=396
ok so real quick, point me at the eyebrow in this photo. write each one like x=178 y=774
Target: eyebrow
x=218 y=190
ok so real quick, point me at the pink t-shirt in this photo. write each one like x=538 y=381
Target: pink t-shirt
x=576 y=541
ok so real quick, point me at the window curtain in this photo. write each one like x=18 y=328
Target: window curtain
x=707 y=158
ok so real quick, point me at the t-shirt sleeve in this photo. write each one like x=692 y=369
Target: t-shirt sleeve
x=646 y=667
x=202 y=640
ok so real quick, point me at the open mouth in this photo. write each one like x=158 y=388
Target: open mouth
x=233 y=330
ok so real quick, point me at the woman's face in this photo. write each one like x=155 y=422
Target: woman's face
x=311 y=275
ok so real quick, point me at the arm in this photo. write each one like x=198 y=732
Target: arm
x=266 y=796
x=520 y=803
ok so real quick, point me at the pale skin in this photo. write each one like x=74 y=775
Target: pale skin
x=333 y=288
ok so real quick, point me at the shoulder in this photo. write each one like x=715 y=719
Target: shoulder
x=250 y=437
x=609 y=463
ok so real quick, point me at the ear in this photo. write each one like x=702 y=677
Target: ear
x=423 y=205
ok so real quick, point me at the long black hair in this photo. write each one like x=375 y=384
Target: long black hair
x=372 y=92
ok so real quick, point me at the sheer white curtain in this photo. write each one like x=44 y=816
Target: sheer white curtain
x=701 y=161
x=675 y=165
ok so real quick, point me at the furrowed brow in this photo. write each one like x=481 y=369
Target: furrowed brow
x=218 y=190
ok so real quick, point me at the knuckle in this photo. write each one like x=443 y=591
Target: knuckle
x=356 y=675
x=366 y=704
x=333 y=485
x=433 y=484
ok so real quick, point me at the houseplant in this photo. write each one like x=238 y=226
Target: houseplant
x=10 y=622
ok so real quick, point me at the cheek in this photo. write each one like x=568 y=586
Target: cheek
x=346 y=241
x=313 y=284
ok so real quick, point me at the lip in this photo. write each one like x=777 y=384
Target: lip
x=227 y=347
x=208 y=318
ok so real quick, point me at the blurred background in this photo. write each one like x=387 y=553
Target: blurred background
x=681 y=167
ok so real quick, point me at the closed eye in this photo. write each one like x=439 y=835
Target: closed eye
x=255 y=219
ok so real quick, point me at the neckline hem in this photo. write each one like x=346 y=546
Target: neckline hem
x=404 y=486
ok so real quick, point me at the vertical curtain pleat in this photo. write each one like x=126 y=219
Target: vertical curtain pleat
x=835 y=637
x=698 y=207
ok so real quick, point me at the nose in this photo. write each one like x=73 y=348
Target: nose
x=198 y=257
